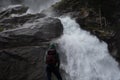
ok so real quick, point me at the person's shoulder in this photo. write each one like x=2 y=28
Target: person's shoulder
x=52 y=50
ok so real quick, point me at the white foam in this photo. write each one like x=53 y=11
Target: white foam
x=36 y=6
x=86 y=57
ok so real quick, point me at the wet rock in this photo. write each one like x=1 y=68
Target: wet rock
x=23 y=63
x=22 y=49
x=114 y=45
x=88 y=18
x=32 y=33
x=13 y=22
x=16 y=9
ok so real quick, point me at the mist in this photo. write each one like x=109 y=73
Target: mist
x=39 y=5
x=35 y=6
x=84 y=56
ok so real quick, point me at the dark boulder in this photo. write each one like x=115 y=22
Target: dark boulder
x=22 y=49
x=114 y=45
x=32 y=33
x=13 y=22
x=23 y=63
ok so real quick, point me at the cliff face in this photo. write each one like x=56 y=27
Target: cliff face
x=26 y=63
x=24 y=40
x=114 y=45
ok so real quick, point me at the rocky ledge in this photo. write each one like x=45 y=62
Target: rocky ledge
x=23 y=45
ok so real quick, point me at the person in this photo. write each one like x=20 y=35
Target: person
x=52 y=63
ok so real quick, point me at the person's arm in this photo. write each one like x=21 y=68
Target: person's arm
x=58 y=60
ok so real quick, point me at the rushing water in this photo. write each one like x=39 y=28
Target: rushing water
x=39 y=5
x=35 y=6
x=83 y=56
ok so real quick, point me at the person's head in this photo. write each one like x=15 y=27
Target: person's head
x=52 y=46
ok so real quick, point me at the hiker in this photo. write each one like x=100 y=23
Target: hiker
x=52 y=63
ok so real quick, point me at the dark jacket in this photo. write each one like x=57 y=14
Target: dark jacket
x=56 y=56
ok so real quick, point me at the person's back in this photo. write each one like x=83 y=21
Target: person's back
x=52 y=61
x=51 y=57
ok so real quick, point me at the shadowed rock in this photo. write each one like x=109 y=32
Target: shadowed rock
x=23 y=63
x=17 y=9
x=23 y=49
x=12 y=22
x=32 y=33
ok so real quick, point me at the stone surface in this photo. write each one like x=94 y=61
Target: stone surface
x=23 y=63
x=22 y=49
x=16 y=21
x=16 y=9
x=32 y=33
x=114 y=45
x=24 y=43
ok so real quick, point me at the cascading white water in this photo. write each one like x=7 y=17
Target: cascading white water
x=35 y=6
x=39 y=5
x=85 y=57
x=4 y=3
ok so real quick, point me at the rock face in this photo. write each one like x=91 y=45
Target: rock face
x=13 y=22
x=25 y=63
x=16 y=9
x=32 y=33
x=114 y=45
x=22 y=48
x=8 y=22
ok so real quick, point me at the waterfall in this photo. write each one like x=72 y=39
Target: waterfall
x=4 y=3
x=35 y=6
x=83 y=56
x=38 y=5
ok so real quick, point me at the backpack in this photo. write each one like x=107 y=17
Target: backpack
x=51 y=57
